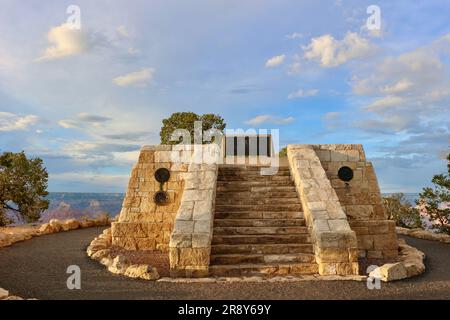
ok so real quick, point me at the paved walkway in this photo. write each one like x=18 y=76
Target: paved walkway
x=37 y=268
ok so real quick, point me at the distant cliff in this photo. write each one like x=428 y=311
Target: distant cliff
x=65 y=205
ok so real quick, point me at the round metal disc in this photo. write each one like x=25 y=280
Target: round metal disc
x=162 y=175
x=345 y=174
x=161 y=197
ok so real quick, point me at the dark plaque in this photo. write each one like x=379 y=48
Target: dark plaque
x=161 y=197
x=162 y=175
x=345 y=174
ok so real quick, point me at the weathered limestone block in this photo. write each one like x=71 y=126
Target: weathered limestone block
x=3 y=294
x=334 y=242
x=132 y=243
x=190 y=242
x=142 y=271
x=390 y=272
x=119 y=265
x=130 y=229
x=70 y=224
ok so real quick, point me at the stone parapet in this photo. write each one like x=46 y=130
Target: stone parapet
x=143 y=224
x=335 y=243
x=361 y=200
x=190 y=243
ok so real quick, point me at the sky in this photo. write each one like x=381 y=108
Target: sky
x=86 y=99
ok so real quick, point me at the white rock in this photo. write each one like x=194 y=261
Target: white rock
x=13 y=298
x=119 y=265
x=55 y=225
x=5 y=240
x=142 y=271
x=3 y=293
x=70 y=224
x=390 y=272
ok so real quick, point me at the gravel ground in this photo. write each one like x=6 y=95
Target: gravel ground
x=37 y=268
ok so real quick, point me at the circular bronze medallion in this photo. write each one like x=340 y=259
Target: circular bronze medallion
x=161 y=197
x=345 y=174
x=162 y=175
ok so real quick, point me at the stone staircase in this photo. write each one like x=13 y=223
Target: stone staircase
x=259 y=227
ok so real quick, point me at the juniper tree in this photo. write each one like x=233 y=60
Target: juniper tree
x=435 y=201
x=23 y=187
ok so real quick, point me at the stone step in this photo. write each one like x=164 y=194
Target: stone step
x=259 y=215
x=261 y=239
x=259 y=230
x=259 y=207
x=253 y=183
x=217 y=259
x=248 y=194
x=243 y=188
x=262 y=248
x=243 y=177
x=245 y=168
x=263 y=269
x=255 y=200
x=259 y=222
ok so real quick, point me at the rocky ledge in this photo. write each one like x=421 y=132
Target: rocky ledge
x=4 y=295
x=410 y=264
x=100 y=250
x=13 y=235
x=423 y=234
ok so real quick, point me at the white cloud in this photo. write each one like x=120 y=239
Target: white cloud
x=13 y=122
x=138 y=78
x=122 y=30
x=409 y=96
x=330 y=52
x=331 y=116
x=265 y=118
x=65 y=41
x=294 y=68
x=394 y=123
x=133 y=51
x=303 y=93
x=384 y=103
x=81 y=119
x=294 y=35
x=275 y=61
x=68 y=124
x=398 y=87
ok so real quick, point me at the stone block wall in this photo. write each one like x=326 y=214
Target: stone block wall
x=360 y=199
x=335 y=244
x=183 y=226
x=190 y=243
x=143 y=225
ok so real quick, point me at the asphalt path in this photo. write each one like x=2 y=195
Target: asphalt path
x=37 y=268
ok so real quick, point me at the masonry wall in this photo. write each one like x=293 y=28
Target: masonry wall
x=361 y=200
x=142 y=224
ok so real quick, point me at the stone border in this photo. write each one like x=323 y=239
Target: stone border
x=265 y=279
x=410 y=264
x=4 y=295
x=99 y=250
x=423 y=234
x=335 y=243
x=53 y=226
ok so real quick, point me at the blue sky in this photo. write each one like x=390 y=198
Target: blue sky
x=86 y=100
